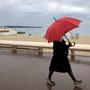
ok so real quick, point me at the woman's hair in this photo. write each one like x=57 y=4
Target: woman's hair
x=63 y=41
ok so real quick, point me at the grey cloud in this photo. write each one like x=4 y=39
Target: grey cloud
x=35 y=12
x=40 y=6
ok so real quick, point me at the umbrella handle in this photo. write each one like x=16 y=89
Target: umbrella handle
x=71 y=44
x=67 y=39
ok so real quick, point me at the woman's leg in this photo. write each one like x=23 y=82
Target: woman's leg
x=49 y=81
x=50 y=74
x=74 y=79
x=71 y=75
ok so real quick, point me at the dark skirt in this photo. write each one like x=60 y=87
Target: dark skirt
x=60 y=64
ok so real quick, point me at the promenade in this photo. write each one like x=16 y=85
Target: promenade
x=28 y=71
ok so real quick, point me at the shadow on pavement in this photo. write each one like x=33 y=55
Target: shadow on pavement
x=49 y=87
x=77 y=88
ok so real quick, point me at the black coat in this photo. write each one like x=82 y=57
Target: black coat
x=60 y=62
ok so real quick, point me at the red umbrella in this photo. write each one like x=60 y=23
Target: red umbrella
x=59 y=27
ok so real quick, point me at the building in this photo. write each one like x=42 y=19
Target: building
x=7 y=31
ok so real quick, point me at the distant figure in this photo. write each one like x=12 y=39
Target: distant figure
x=60 y=62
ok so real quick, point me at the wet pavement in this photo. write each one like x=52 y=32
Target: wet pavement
x=28 y=71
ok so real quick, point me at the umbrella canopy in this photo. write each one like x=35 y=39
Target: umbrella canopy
x=59 y=27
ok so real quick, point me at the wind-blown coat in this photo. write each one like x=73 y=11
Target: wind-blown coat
x=60 y=62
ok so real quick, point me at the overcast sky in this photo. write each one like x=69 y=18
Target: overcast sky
x=46 y=6
x=41 y=12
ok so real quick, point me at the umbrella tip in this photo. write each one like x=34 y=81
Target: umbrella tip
x=55 y=19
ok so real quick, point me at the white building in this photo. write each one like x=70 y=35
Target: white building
x=7 y=31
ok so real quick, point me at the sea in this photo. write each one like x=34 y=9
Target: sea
x=44 y=20
x=83 y=29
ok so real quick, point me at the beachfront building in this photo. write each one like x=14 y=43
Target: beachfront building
x=7 y=32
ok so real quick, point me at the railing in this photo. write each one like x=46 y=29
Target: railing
x=80 y=48
x=39 y=46
x=15 y=45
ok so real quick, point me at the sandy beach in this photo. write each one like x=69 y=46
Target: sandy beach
x=23 y=37
x=40 y=38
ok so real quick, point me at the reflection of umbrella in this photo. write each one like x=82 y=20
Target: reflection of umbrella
x=61 y=26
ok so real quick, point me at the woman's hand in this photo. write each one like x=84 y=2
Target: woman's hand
x=71 y=44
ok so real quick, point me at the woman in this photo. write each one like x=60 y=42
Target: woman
x=60 y=62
